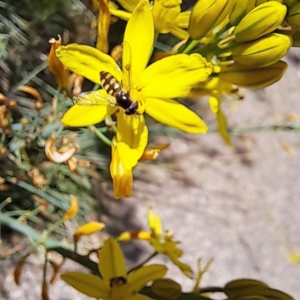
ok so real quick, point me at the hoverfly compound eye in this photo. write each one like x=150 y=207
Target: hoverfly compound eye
x=132 y=109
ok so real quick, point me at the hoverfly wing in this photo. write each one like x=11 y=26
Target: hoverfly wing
x=126 y=64
x=116 y=54
x=99 y=97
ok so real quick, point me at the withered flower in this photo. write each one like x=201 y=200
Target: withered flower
x=35 y=94
x=62 y=155
x=38 y=179
x=55 y=66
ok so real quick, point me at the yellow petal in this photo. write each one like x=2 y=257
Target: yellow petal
x=121 y=14
x=132 y=138
x=88 y=62
x=185 y=269
x=145 y=274
x=122 y=177
x=129 y=5
x=138 y=235
x=165 y=13
x=103 y=26
x=154 y=223
x=174 y=114
x=179 y=33
x=139 y=34
x=140 y=297
x=214 y=104
x=174 y=76
x=111 y=260
x=78 y=116
x=73 y=209
x=222 y=128
x=183 y=18
x=87 y=229
x=152 y=152
x=294 y=257
x=87 y=284
x=157 y=245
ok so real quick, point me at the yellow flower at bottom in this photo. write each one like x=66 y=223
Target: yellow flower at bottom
x=115 y=283
x=162 y=243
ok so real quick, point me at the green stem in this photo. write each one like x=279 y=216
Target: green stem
x=29 y=213
x=30 y=188
x=2 y=140
x=100 y=135
x=29 y=76
x=54 y=226
x=188 y=46
x=81 y=259
x=147 y=291
x=143 y=263
x=27 y=231
x=48 y=243
x=111 y=124
x=34 y=122
x=5 y=202
x=272 y=127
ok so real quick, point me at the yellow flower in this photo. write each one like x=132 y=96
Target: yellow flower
x=55 y=66
x=152 y=88
x=162 y=243
x=167 y=15
x=116 y=284
x=103 y=25
x=215 y=88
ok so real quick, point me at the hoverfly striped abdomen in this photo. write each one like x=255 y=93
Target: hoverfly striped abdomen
x=115 y=89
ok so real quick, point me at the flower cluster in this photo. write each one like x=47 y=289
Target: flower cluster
x=115 y=283
x=226 y=44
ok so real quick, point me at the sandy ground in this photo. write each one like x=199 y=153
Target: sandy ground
x=242 y=208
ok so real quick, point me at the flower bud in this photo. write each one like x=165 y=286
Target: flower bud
x=290 y=3
x=293 y=17
x=206 y=15
x=296 y=39
x=262 y=52
x=253 y=77
x=166 y=288
x=239 y=10
x=225 y=13
x=260 y=21
x=259 y=2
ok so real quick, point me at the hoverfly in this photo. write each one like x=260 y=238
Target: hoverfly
x=117 y=94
